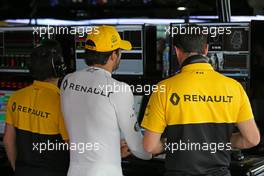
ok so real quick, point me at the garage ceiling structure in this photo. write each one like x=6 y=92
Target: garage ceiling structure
x=95 y=9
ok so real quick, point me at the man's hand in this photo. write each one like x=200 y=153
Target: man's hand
x=124 y=149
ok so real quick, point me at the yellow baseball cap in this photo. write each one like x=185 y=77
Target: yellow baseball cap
x=105 y=39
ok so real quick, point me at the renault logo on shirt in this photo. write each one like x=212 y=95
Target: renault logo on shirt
x=30 y=111
x=174 y=99
x=14 y=107
x=208 y=98
x=65 y=84
x=86 y=89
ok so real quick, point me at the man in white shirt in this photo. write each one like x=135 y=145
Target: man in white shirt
x=98 y=109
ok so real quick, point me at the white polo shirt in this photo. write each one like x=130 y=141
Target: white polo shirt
x=97 y=109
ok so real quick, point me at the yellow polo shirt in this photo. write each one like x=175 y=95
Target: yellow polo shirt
x=198 y=108
x=35 y=113
x=197 y=95
x=36 y=109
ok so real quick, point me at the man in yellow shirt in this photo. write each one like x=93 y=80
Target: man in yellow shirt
x=199 y=109
x=34 y=122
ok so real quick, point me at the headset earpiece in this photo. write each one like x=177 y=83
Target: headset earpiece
x=57 y=60
x=58 y=64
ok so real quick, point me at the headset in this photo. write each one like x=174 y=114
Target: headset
x=58 y=64
x=57 y=61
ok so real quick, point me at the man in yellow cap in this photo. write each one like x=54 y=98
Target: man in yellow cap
x=98 y=109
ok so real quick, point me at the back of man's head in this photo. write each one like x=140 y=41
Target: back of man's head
x=43 y=59
x=95 y=57
x=192 y=41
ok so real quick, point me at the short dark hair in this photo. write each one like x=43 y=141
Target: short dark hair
x=193 y=41
x=94 y=57
x=41 y=66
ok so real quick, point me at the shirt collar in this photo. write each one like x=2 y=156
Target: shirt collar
x=101 y=69
x=46 y=85
x=197 y=66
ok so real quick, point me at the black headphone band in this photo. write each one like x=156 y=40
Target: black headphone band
x=58 y=64
x=195 y=59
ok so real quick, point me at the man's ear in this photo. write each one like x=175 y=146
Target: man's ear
x=180 y=54
x=112 y=56
x=176 y=50
x=205 y=52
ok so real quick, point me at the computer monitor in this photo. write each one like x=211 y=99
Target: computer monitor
x=140 y=104
x=131 y=61
x=4 y=96
x=228 y=46
x=16 y=44
x=238 y=40
x=230 y=37
x=137 y=105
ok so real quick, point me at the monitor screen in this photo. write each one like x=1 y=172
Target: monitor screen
x=80 y=63
x=131 y=61
x=137 y=105
x=135 y=37
x=231 y=37
x=140 y=105
x=4 y=96
x=237 y=40
x=232 y=61
x=215 y=43
x=229 y=42
x=19 y=42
